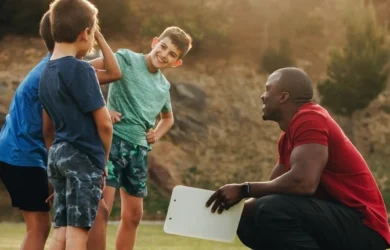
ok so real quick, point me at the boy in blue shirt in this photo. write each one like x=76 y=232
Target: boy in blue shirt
x=72 y=100
x=23 y=153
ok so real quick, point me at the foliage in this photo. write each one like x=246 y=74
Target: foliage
x=274 y=59
x=203 y=20
x=357 y=73
x=21 y=17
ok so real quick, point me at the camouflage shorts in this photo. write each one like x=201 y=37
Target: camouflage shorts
x=77 y=186
x=127 y=167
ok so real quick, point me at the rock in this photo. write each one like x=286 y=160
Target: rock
x=188 y=95
x=3 y=86
x=160 y=175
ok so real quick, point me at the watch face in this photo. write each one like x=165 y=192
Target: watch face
x=245 y=190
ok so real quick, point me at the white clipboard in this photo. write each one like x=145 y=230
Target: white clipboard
x=188 y=216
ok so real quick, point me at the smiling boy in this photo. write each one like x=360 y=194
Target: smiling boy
x=135 y=101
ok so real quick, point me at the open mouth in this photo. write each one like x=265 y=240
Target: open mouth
x=160 y=60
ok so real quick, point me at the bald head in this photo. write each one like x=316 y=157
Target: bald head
x=294 y=81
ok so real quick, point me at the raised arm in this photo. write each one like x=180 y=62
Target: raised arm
x=107 y=67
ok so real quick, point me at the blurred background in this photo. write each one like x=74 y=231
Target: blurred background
x=219 y=136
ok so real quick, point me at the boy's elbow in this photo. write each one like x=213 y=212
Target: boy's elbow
x=117 y=75
x=106 y=127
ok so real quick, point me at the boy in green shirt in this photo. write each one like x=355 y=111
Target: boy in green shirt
x=135 y=101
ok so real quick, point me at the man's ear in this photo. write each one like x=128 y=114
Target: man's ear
x=177 y=63
x=154 y=42
x=284 y=98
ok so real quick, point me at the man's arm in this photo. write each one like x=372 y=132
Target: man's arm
x=307 y=163
x=163 y=126
x=104 y=128
x=278 y=170
x=107 y=67
x=47 y=129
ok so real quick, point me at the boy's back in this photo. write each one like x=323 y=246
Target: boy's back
x=69 y=92
x=22 y=129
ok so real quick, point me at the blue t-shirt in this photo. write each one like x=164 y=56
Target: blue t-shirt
x=69 y=91
x=21 y=138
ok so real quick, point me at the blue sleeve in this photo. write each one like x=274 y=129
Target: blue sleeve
x=85 y=89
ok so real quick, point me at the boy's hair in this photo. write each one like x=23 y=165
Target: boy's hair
x=70 y=17
x=179 y=37
x=45 y=32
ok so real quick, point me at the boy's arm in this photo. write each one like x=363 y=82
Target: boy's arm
x=104 y=128
x=47 y=129
x=162 y=127
x=107 y=67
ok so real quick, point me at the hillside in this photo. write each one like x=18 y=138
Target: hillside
x=219 y=136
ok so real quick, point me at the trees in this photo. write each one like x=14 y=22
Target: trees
x=357 y=73
x=273 y=59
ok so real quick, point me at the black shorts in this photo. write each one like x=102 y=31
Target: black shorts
x=27 y=186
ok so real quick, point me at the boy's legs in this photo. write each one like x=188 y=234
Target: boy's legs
x=76 y=202
x=294 y=222
x=97 y=235
x=28 y=188
x=131 y=215
x=38 y=228
x=127 y=169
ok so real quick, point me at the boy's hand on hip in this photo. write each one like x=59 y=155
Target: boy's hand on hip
x=115 y=116
x=151 y=136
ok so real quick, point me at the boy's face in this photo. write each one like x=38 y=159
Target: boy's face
x=164 y=53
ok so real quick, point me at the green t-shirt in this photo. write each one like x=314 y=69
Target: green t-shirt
x=139 y=96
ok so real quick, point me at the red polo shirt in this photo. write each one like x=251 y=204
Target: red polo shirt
x=346 y=177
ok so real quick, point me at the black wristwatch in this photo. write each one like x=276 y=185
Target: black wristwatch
x=245 y=188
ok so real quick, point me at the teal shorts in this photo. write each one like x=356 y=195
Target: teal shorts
x=127 y=167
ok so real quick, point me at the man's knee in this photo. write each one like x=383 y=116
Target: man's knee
x=273 y=205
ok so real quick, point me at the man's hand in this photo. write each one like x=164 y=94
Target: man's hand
x=151 y=136
x=115 y=116
x=225 y=197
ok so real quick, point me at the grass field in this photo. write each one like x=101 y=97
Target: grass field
x=150 y=237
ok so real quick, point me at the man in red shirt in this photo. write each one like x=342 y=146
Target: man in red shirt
x=321 y=193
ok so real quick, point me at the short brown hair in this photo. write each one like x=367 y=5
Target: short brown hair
x=70 y=17
x=179 y=37
x=45 y=32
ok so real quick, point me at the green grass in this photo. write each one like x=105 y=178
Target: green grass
x=150 y=237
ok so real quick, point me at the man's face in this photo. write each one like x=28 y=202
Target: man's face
x=271 y=98
x=164 y=54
